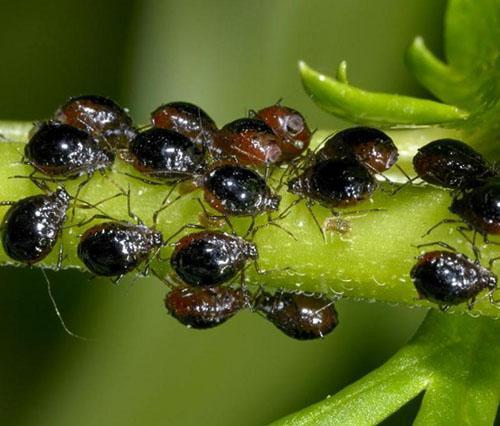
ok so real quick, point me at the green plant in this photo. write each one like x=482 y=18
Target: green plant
x=376 y=260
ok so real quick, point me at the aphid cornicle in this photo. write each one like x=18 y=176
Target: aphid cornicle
x=301 y=316
x=116 y=248
x=99 y=116
x=371 y=147
x=204 y=307
x=334 y=183
x=187 y=119
x=290 y=127
x=480 y=207
x=449 y=278
x=238 y=191
x=450 y=163
x=57 y=149
x=210 y=258
x=166 y=154
x=32 y=226
x=248 y=141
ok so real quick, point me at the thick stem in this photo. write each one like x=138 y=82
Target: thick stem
x=372 y=262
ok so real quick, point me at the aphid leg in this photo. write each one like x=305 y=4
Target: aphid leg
x=271 y=222
x=79 y=188
x=181 y=229
x=141 y=179
x=7 y=203
x=56 y=309
x=442 y=222
x=164 y=280
x=86 y=205
x=251 y=113
x=286 y=211
x=406 y=175
x=116 y=280
x=437 y=243
x=271 y=271
x=60 y=256
x=90 y=219
x=309 y=207
x=470 y=303
x=488 y=241
x=208 y=220
x=444 y=308
x=130 y=213
x=472 y=241
x=404 y=185
x=165 y=205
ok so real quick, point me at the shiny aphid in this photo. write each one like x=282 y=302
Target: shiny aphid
x=247 y=141
x=187 y=119
x=448 y=278
x=166 y=154
x=204 y=307
x=238 y=191
x=113 y=249
x=291 y=129
x=101 y=117
x=298 y=315
x=450 y=163
x=32 y=226
x=61 y=150
x=210 y=258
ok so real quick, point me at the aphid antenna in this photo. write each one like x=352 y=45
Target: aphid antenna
x=252 y=230
x=141 y=179
x=441 y=222
x=404 y=185
x=180 y=230
x=92 y=131
x=164 y=280
x=318 y=225
x=165 y=204
x=88 y=205
x=90 y=219
x=211 y=217
x=403 y=172
x=57 y=311
x=279 y=101
x=437 y=243
x=287 y=210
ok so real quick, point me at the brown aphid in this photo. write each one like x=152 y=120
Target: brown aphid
x=206 y=307
x=290 y=127
x=480 y=207
x=99 y=116
x=187 y=119
x=298 y=315
x=248 y=141
x=371 y=147
x=450 y=163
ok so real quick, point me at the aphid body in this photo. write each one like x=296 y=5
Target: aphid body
x=450 y=163
x=210 y=258
x=61 y=150
x=166 y=154
x=238 y=191
x=334 y=183
x=187 y=119
x=448 y=278
x=290 y=127
x=204 y=307
x=371 y=147
x=298 y=315
x=248 y=141
x=32 y=226
x=116 y=248
x=480 y=207
x=99 y=116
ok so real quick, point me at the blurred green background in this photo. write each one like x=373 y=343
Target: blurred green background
x=143 y=368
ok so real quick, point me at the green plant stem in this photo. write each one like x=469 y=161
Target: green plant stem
x=370 y=263
x=453 y=358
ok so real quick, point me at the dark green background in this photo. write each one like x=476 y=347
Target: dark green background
x=227 y=56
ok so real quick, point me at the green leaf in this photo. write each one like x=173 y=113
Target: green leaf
x=354 y=104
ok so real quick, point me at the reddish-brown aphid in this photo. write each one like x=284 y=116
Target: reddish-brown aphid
x=290 y=127
x=99 y=116
x=204 y=307
x=187 y=119
x=248 y=141
x=480 y=207
x=371 y=147
x=298 y=315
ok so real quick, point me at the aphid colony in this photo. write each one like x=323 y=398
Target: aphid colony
x=446 y=277
x=232 y=165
